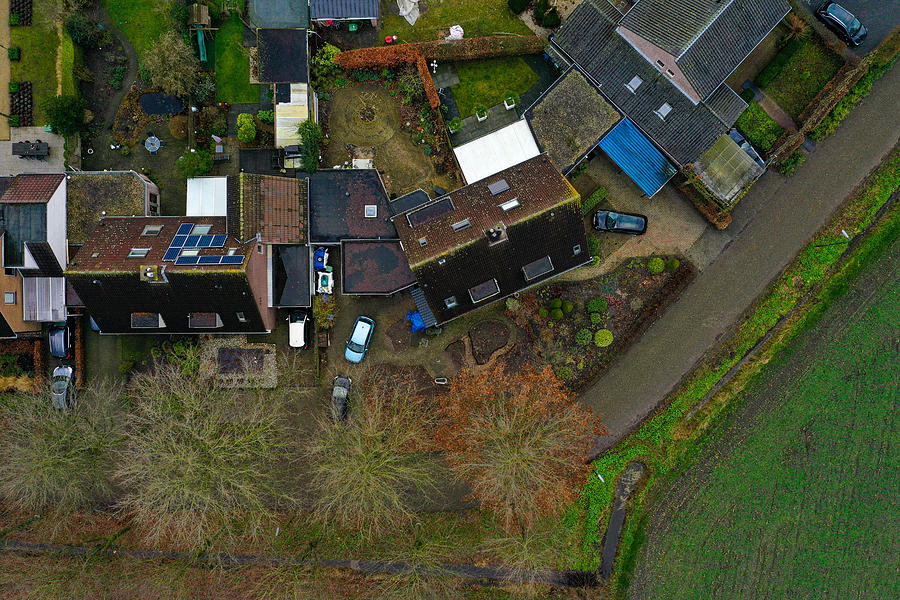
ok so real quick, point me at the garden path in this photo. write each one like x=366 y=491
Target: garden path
x=112 y=106
x=4 y=68
x=771 y=107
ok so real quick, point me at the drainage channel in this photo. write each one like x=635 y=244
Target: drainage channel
x=627 y=482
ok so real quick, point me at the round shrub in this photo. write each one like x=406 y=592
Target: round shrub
x=567 y=307
x=247 y=133
x=517 y=6
x=583 y=337
x=556 y=313
x=556 y=303
x=245 y=119
x=512 y=304
x=672 y=264
x=564 y=373
x=603 y=338
x=543 y=313
x=178 y=127
x=656 y=265
x=596 y=318
x=194 y=164
x=598 y=305
x=551 y=19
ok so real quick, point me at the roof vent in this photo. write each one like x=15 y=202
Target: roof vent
x=498 y=187
x=153 y=274
x=496 y=234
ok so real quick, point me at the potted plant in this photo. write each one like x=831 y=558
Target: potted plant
x=510 y=100
x=454 y=125
x=481 y=112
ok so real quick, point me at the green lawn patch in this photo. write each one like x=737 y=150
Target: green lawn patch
x=758 y=127
x=477 y=18
x=142 y=21
x=487 y=81
x=232 y=65
x=807 y=69
x=40 y=44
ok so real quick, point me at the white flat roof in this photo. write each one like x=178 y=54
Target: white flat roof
x=207 y=197
x=289 y=115
x=496 y=151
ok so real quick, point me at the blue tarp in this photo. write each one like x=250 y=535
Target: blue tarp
x=416 y=320
x=637 y=156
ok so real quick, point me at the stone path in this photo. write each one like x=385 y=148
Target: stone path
x=771 y=107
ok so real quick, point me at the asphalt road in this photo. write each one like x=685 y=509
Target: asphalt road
x=879 y=16
x=771 y=224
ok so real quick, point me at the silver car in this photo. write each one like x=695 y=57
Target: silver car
x=61 y=390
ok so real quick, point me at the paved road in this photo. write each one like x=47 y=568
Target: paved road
x=771 y=224
x=879 y=16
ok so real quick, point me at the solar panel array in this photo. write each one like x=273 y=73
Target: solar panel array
x=183 y=239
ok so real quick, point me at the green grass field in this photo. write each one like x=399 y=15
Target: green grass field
x=795 y=495
x=142 y=21
x=758 y=127
x=477 y=18
x=800 y=78
x=232 y=65
x=487 y=81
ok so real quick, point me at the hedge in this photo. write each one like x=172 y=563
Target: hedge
x=588 y=206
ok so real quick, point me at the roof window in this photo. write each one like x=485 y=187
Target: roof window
x=460 y=225
x=510 y=204
x=371 y=211
x=204 y=320
x=485 y=290
x=663 y=110
x=670 y=73
x=147 y=320
x=138 y=252
x=190 y=252
x=536 y=269
x=201 y=229
x=498 y=187
x=660 y=64
x=152 y=229
x=634 y=84
x=450 y=302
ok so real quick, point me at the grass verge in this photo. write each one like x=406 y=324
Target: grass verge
x=663 y=441
x=232 y=65
x=142 y=21
x=40 y=44
x=477 y=18
x=807 y=69
x=487 y=81
x=759 y=128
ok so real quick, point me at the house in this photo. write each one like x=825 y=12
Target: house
x=493 y=238
x=34 y=251
x=289 y=14
x=327 y=12
x=663 y=66
x=172 y=275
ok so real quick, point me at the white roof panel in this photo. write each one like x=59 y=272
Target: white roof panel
x=496 y=151
x=207 y=197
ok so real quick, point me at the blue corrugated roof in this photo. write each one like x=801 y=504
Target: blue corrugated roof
x=639 y=158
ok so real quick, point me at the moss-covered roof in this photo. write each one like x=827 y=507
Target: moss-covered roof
x=90 y=194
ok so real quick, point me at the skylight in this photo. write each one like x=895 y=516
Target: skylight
x=634 y=84
x=663 y=110
x=510 y=204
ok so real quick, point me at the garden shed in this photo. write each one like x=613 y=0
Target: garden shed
x=289 y=115
x=511 y=145
x=637 y=157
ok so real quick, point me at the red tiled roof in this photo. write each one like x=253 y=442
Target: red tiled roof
x=32 y=188
x=274 y=207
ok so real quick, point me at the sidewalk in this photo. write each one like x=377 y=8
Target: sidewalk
x=771 y=224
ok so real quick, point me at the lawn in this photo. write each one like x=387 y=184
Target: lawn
x=40 y=44
x=487 y=81
x=809 y=66
x=795 y=497
x=232 y=65
x=758 y=127
x=477 y=18
x=142 y=21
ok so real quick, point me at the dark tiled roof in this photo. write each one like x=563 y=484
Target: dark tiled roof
x=589 y=39
x=282 y=56
x=374 y=268
x=290 y=273
x=273 y=207
x=337 y=201
x=344 y=9
x=552 y=233
x=23 y=222
x=32 y=188
x=726 y=105
x=47 y=265
x=672 y=25
x=536 y=184
x=114 y=238
x=570 y=118
x=728 y=40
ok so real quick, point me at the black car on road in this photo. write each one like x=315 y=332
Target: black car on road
x=843 y=23
x=616 y=222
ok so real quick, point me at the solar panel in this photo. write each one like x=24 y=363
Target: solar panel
x=172 y=254
x=178 y=241
x=218 y=241
x=232 y=260
x=192 y=241
x=209 y=260
x=498 y=187
x=184 y=229
x=205 y=241
x=430 y=212
x=187 y=260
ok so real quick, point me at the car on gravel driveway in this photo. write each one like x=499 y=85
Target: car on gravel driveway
x=360 y=339
x=340 y=392
x=61 y=391
x=615 y=222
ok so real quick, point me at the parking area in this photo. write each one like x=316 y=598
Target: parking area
x=879 y=17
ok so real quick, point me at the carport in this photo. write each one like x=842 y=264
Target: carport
x=637 y=157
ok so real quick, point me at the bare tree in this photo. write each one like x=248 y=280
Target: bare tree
x=59 y=459
x=172 y=65
x=199 y=460
x=426 y=576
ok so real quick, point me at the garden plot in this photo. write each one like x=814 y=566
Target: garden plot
x=797 y=73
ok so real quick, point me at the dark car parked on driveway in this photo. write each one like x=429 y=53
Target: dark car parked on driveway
x=607 y=220
x=843 y=23
x=59 y=338
x=340 y=407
